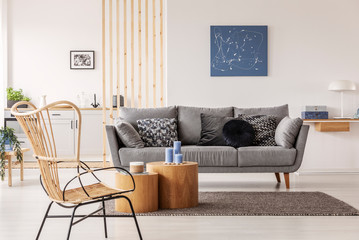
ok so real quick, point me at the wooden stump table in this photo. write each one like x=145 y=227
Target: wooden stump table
x=178 y=184
x=144 y=198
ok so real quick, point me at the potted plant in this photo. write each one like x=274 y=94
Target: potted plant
x=14 y=96
x=8 y=142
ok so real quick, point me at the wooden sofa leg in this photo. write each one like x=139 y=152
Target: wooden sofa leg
x=277 y=176
x=286 y=178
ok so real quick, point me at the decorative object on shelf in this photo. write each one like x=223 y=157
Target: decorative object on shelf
x=8 y=142
x=178 y=158
x=313 y=108
x=14 y=96
x=239 y=51
x=82 y=59
x=42 y=101
x=342 y=86
x=169 y=156
x=177 y=147
x=95 y=104
x=356 y=116
x=83 y=99
x=137 y=167
x=115 y=101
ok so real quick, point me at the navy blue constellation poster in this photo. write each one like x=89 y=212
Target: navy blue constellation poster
x=239 y=50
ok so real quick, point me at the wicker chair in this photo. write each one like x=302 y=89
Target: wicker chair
x=36 y=123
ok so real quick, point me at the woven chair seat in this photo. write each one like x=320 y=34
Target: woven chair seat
x=97 y=190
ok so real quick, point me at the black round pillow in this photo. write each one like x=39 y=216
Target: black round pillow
x=238 y=133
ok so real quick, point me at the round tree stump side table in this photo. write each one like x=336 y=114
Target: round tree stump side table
x=178 y=184
x=144 y=198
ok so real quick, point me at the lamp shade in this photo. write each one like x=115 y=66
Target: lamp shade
x=342 y=85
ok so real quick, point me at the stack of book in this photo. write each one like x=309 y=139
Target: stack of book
x=314 y=112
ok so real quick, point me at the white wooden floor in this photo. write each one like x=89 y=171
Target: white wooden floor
x=23 y=206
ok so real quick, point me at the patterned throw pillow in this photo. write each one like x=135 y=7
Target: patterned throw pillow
x=158 y=132
x=264 y=128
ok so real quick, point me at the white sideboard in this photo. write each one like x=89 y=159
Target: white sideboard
x=65 y=125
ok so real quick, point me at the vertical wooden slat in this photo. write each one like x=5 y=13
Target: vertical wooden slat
x=161 y=57
x=139 y=55
x=118 y=86
x=132 y=54
x=154 y=51
x=147 y=74
x=111 y=60
x=125 y=51
x=103 y=84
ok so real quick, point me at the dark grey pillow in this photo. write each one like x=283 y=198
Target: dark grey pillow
x=287 y=131
x=212 y=130
x=278 y=111
x=264 y=128
x=158 y=132
x=128 y=135
x=189 y=121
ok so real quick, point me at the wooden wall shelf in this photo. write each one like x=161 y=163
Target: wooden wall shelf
x=331 y=125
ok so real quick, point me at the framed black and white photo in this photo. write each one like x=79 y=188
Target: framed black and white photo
x=82 y=59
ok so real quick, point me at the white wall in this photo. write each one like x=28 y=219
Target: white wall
x=3 y=55
x=41 y=35
x=310 y=44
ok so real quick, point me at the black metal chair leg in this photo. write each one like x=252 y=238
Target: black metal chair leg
x=104 y=217
x=43 y=220
x=134 y=217
x=71 y=221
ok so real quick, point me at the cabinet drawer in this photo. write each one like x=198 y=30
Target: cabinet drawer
x=60 y=115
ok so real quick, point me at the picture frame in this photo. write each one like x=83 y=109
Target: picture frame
x=80 y=60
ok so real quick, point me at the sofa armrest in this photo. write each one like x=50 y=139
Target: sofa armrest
x=300 y=146
x=115 y=144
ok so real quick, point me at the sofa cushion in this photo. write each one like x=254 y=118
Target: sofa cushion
x=131 y=115
x=158 y=132
x=212 y=130
x=128 y=135
x=219 y=156
x=189 y=121
x=238 y=133
x=255 y=156
x=287 y=131
x=264 y=128
x=279 y=111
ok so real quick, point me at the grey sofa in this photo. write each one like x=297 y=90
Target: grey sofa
x=211 y=159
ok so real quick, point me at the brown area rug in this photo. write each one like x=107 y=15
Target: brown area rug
x=257 y=204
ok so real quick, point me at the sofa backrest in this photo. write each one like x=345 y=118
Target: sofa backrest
x=131 y=115
x=189 y=121
x=279 y=111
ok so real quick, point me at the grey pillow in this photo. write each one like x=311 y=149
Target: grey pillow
x=131 y=115
x=212 y=130
x=279 y=111
x=128 y=135
x=287 y=131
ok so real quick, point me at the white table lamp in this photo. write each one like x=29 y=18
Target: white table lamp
x=341 y=86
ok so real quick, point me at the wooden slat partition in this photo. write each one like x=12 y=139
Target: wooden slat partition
x=118 y=56
x=111 y=60
x=139 y=55
x=125 y=51
x=161 y=48
x=132 y=54
x=147 y=74
x=130 y=24
x=154 y=51
x=104 y=81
